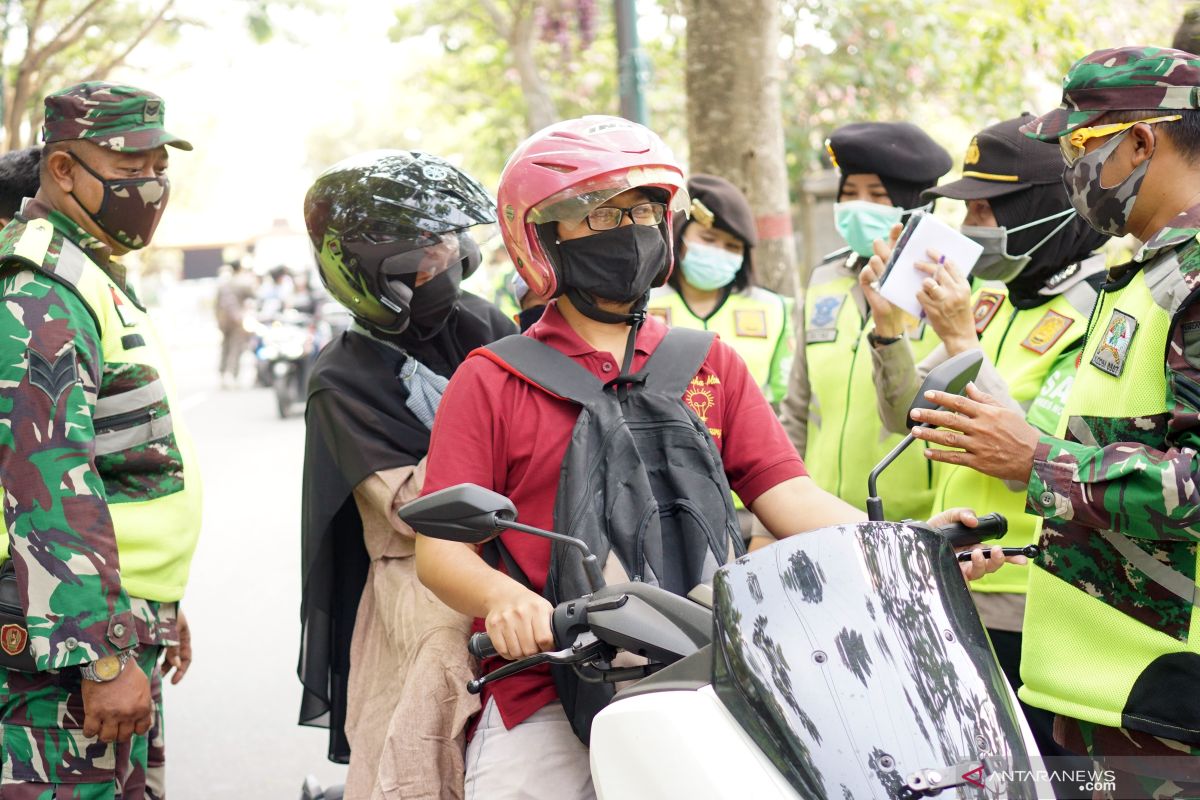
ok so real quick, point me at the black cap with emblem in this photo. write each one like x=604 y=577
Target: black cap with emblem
x=904 y=157
x=1001 y=160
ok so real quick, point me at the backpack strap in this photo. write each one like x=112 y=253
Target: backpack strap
x=544 y=367
x=677 y=359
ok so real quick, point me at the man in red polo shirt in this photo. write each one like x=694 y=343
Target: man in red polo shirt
x=585 y=208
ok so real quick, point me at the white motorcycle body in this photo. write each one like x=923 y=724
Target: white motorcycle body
x=847 y=662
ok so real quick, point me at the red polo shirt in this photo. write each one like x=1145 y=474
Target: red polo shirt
x=498 y=431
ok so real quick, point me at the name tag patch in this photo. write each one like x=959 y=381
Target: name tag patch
x=822 y=326
x=750 y=323
x=1050 y=329
x=1114 y=343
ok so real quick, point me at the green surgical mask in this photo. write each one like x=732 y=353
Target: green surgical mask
x=861 y=222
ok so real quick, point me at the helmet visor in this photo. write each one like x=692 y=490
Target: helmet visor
x=575 y=202
x=415 y=259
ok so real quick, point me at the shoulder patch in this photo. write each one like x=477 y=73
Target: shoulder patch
x=53 y=377
x=986 y=306
x=1114 y=345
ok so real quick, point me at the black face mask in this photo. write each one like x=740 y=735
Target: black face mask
x=618 y=265
x=432 y=301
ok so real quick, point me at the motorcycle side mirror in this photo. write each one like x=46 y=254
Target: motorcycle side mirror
x=472 y=514
x=951 y=376
x=462 y=513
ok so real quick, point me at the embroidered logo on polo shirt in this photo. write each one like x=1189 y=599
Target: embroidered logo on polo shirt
x=1050 y=329
x=1114 y=344
x=701 y=400
x=986 y=306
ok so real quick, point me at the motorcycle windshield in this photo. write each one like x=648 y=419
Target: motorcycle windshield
x=855 y=659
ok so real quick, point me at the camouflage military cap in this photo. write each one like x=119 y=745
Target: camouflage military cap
x=1121 y=79
x=122 y=118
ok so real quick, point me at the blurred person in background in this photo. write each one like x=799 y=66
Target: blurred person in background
x=235 y=296
x=713 y=289
x=19 y=178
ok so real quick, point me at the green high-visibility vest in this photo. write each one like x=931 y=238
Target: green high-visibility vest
x=756 y=323
x=1083 y=657
x=846 y=438
x=1024 y=345
x=156 y=524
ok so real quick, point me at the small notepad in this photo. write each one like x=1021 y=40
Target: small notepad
x=924 y=232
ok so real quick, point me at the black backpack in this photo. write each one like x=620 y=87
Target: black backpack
x=642 y=483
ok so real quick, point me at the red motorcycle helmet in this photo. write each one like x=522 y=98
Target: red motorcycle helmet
x=564 y=171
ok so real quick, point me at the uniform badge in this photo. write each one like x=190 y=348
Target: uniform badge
x=822 y=327
x=750 y=322
x=986 y=306
x=1050 y=329
x=662 y=313
x=1114 y=343
x=13 y=639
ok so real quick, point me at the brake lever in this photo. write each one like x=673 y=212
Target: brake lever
x=1031 y=551
x=575 y=654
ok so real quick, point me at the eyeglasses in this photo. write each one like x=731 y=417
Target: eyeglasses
x=1072 y=144
x=606 y=218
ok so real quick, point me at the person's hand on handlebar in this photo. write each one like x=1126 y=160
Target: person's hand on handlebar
x=518 y=621
x=983 y=561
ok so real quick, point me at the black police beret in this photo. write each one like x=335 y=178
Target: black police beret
x=898 y=150
x=718 y=203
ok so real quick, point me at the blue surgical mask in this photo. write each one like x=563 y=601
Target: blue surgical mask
x=707 y=267
x=861 y=222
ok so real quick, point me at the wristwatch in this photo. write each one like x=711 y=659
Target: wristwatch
x=106 y=669
x=876 y=341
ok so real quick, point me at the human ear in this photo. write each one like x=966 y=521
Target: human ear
x=1145 y=142
x=61 y=168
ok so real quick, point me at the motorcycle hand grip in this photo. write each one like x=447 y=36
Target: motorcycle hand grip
x=480 y=646
x=991 y=526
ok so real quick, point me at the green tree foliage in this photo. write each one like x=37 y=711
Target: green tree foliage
x=508 y=67
x=950 y=66
x=48 y=44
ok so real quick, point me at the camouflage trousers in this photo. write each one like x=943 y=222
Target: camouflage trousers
x=1129 y=764
x=47 y=757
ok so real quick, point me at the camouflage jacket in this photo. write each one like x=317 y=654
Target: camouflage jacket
x=61 y=535
x=1136 y=476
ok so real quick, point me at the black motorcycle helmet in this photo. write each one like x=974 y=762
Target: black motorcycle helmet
x=381 y=220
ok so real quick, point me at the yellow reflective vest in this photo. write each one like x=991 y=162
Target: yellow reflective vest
x=1027 y=348
x=142 y=452
x=846 y=438
x=756 y=323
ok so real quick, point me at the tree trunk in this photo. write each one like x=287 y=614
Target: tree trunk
x=539 y=105
x=735 y=122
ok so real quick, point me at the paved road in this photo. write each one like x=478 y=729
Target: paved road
x=231 y=724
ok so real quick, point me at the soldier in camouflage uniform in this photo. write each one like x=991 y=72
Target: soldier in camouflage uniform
x=101 y=497
x=1111 y=612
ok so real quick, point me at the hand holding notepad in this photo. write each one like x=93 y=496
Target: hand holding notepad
x=924 y=232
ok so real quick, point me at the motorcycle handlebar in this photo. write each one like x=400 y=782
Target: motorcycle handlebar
x=480 y=646
x=991 y=526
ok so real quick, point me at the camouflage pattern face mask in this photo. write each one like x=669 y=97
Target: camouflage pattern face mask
x=1105 y=208
x=131 y=207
